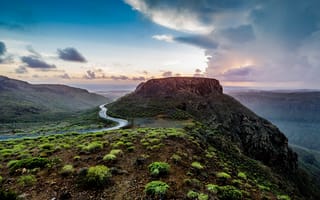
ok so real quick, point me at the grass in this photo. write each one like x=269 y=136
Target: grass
x=28 y=163
x=93 y=147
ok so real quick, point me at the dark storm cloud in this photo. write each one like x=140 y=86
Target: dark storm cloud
x=238 y=74
x=205 y=42
x=3 y=48
x=240 y=34
x=71 y=54
x=36 y=63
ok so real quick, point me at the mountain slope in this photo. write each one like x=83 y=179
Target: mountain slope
x=203 y=100
x=295 y=113
x=21 y=101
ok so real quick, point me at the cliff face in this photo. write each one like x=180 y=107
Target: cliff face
x=176 y=85
x=203 y=99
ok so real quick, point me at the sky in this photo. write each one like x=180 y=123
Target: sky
x=252 y=43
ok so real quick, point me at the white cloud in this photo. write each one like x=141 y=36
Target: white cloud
x=166 y=38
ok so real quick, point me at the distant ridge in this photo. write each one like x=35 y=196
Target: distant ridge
x=21 y=101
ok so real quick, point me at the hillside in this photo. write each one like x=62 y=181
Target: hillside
x=128 y=164
x=24 y=102
x=295 y=113
x=202 y=99
x=224 y=152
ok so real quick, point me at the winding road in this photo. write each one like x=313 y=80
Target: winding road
x=102 y=114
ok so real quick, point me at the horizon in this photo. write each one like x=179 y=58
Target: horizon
x=125 y=42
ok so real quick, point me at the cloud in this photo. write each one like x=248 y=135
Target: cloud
x=198 y=73
x=166 y=38
x=198 y=40
x=71 y=54
x=167 y=74
x=238 y=74
x=21 y=70
x=140 y=78
x=279 y=40
x=3 y=48
x=65 y=76
x=120 y=77
x=90 y=74
x=33 y=52
x=36 y=63
x=241 y=34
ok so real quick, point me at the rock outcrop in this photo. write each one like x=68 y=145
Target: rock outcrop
x=176 y=85
x=203 y=99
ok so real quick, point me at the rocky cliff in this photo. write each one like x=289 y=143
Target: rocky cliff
x=203 y=99
x=179 y=85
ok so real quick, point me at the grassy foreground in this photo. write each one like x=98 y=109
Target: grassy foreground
x=143 y=163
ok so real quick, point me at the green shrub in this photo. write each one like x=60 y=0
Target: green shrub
x=27 y=180
x=93 y=147
x=109 y=157
x=156 y=188
x=203 y=196
x=1 y=179
x=28 y=163
x=116 y=152
x=76 y=158
x=283 y=197
x=192 y=182
x=8 y=195
x=197 y=165
x=67 y=170
x=242 y=175
x=46 y=146
x=159 y=168
x=229 y=192
x=176 y=158
x=192 y=194
x=223 y=175
x=97 y=176
x=213 y=188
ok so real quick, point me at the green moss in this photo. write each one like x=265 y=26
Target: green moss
x=197 y=165
x=116 y=151
x=159 y=168
x=76 y=158
x=27 y=180
x=156 y=189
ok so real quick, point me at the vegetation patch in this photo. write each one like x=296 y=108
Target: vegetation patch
x=156 y=189
x=159 y=168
